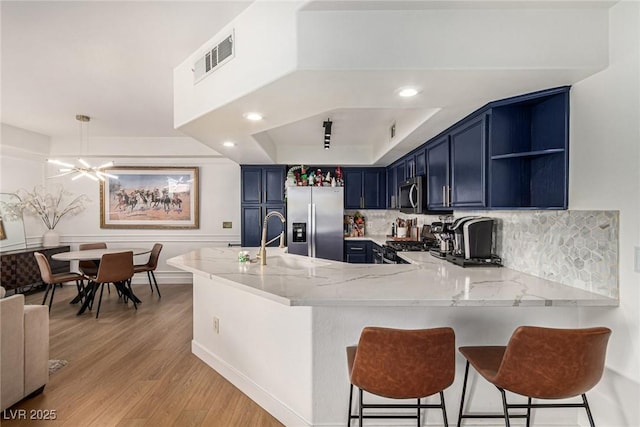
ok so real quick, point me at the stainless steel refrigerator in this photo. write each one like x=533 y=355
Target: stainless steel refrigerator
x=315 y=222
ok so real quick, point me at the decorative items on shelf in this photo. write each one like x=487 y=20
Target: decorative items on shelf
x=49 y=206
x=302 y=176
x=354 y=225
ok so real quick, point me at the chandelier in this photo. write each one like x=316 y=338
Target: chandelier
x=84 y=168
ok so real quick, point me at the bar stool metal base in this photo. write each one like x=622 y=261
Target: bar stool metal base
x=507 y=406
x=418 y=407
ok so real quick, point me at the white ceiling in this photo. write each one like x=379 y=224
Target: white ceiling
x=114 y=61
x=109 y=60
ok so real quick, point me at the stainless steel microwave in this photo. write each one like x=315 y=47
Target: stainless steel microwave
x=412 y=196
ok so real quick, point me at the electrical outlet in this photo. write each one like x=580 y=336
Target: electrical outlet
x=227 y=224
x=216 y=325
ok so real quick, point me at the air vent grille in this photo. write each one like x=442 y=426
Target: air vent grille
x=214 y=58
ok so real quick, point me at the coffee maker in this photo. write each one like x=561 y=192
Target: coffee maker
x=473 y=241
x=444 y=235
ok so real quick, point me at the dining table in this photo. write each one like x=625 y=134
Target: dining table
x=88 y=292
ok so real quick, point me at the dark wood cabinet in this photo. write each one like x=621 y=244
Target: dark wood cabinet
x=364 y=188
x=19 y=269
x=262 y=190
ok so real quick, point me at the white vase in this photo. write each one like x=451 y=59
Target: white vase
x=50 y=238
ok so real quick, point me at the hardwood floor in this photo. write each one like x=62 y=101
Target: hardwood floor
x=133 y=368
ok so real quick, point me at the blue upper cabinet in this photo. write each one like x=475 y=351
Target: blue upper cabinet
x=364 y=188
x=353 y=181
x=456 y=166
x=396 y=174
x=528 y=151
x=251 y=183
x=263 y=184
x=438 y=172
x=509 y=154
x=468 y=160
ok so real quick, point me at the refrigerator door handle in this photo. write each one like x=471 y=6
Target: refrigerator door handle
x=313 y=230
x=310 y=234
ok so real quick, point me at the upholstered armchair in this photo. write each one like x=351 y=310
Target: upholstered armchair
x=24 y=349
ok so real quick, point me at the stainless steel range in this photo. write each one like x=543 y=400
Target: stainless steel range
x=391 y=247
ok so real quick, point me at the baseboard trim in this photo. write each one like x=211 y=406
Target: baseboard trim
x=268 y=402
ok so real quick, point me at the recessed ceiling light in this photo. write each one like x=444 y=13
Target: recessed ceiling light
x=229 y=144
x=253 y=116
x=408 y=92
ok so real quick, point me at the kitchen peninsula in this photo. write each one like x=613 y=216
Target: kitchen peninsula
x=278 y=332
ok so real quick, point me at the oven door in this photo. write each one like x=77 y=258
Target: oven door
x=378 y=254
x=388 y=255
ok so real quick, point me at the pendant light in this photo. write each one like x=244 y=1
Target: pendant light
x=84 y=169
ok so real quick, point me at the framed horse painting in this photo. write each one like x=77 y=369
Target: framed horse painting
x=149 y=197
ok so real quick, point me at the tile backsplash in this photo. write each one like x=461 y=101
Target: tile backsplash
x=576 y=248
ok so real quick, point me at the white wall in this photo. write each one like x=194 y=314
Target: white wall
x=23 y=166
x=605 y=174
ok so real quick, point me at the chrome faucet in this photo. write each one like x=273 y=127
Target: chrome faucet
x=262 y=254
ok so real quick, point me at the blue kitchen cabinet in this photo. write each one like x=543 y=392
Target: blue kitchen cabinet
x=468 y=164
x=357 y=251
x=353 y=183
x=456 y=167
x=420 y=162
x=415 y=163
x=396 y=174
x=252 y=219
x=438 y=161
x=262 y=191
x=262 y=184
x=364 y=188
x=528 y=149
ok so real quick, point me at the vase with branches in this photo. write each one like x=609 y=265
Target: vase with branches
x=51 y=206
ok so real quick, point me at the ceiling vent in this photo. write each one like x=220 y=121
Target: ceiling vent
x=212 y=59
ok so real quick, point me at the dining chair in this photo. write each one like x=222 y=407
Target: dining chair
x=51 y=279
x=540 y=363
x=116 y=268
x=90 y=268
x=150 y=266
x=401 y=364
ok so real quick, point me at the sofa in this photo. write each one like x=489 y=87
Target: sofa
x=24 y=349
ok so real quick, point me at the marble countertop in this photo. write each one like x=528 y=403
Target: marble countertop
x=427 y=281
x=377 y=239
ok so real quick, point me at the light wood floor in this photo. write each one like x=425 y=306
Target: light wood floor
x=134 y=368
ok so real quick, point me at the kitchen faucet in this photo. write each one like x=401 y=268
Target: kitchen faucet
x=262 y=254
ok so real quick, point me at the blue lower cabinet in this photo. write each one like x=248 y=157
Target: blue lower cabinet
x=252 y=219
x=357 y=251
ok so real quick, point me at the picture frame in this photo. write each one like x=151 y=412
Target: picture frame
x=149 y=197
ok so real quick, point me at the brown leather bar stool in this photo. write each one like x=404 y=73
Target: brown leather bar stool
x=401 y=364
x=51 y=280
x=540 y=363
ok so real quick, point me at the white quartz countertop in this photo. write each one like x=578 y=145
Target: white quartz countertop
x=301 y=281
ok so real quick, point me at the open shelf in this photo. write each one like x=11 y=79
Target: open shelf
x=528 y=154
